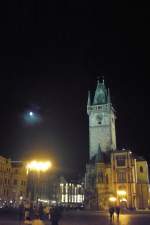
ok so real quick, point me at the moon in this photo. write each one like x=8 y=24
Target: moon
x=32 y=118
x=31 y=113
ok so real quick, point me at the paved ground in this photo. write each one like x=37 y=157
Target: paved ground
x=90 y=218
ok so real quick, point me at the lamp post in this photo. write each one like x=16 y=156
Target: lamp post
x=37 y=167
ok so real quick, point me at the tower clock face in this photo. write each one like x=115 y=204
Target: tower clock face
x=99 y=118
x=96 y=120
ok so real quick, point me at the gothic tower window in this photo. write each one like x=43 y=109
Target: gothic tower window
x=100 y=177
x=141 y=169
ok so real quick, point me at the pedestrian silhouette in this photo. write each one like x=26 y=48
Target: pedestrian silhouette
x=111 y=213
x=55 y=215
x=117 y=209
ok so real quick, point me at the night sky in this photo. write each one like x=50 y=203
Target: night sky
x=51 y=54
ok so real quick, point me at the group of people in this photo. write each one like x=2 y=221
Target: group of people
x=36 y=214
x=113 y=210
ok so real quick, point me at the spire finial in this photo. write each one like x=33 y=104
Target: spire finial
x=108 y=96
x=89 y=98
x=100 y=77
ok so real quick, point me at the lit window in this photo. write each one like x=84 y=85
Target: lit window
x=100 y=177
x=107 y=181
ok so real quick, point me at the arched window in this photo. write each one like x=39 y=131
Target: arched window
x=100 y=177
x=141 y=169
x=107 y=181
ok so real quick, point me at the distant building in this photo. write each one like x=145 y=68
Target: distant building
x=13 y=181
x=5 y=178
x=112 y=176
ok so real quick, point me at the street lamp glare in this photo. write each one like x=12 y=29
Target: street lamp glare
x=38 y=166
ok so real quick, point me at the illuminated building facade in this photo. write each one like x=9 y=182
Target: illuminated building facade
x=5 y=178
x=111 y=175
x=71 y=193
x=18 y=181
x=68 y=193
x=101 y=121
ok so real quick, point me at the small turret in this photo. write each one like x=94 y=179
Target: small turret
x=108 y=97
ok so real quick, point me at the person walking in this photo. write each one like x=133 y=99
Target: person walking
x=27 y=209
x=28 y=221
x=37 y=221
x=55 y=215
x=31 y=211
x=111 y=212
x=41 y=211
x=117 y=211
x=21 y=212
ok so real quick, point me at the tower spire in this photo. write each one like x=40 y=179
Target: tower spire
x=100 y=96
x=89 y=99
x=100 y=79
x=103 y=80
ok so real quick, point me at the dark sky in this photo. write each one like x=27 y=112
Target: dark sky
x=51 y=54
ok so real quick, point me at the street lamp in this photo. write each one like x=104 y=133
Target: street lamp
x=38 y=167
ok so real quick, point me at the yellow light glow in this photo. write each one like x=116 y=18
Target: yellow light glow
x=38 y=166
x=112 y=199
x=121 y=192
x=123 y=200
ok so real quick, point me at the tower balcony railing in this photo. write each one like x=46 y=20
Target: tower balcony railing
x=98 y=107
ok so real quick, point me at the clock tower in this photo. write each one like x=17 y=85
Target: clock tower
x=101 y=121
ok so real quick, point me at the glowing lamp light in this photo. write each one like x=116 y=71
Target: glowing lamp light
x=112 y=199
x=121 y=192
x=38 y=166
